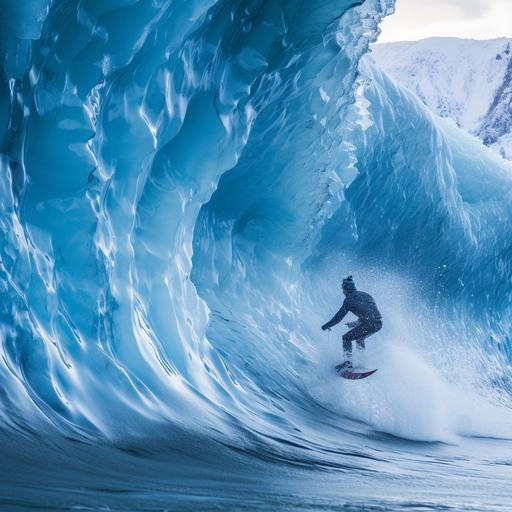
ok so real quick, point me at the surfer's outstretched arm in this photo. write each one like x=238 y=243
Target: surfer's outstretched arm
x=337 y=318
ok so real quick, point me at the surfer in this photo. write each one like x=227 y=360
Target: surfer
x=369 y=320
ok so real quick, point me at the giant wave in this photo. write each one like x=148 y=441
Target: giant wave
x=185 y=183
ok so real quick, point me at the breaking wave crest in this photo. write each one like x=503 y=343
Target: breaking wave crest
x=185 y=183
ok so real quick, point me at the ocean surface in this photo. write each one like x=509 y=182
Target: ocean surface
x=184 y=184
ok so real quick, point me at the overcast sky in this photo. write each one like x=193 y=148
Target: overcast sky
x=476 y=19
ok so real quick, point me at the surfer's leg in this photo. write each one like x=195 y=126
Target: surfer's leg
x=348 y=338
x=357 y=333
x=347 y=350
x=361 y=332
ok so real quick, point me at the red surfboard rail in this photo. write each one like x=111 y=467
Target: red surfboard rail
x=355 y=373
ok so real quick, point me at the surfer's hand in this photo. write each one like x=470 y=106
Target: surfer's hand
x=325 y=328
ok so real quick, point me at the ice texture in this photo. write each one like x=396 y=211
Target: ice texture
x=184 y=183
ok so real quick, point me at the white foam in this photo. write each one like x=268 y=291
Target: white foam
x=420 y=391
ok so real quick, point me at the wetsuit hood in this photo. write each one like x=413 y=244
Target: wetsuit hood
x=348 y=285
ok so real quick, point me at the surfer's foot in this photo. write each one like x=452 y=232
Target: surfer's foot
x=345 y=365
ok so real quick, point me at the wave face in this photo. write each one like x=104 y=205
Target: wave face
x=185 y=183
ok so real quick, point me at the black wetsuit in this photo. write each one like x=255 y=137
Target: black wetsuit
x=363 y=306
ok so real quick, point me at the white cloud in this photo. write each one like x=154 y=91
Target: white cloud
x=475 y=19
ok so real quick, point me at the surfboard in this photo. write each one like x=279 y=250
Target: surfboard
x=354 y=373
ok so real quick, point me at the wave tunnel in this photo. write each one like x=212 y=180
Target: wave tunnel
x=184 y=184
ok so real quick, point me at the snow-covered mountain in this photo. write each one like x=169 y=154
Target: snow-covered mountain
x=467 y=80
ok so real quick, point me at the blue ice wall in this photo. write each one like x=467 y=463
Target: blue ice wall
x=182 y=184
